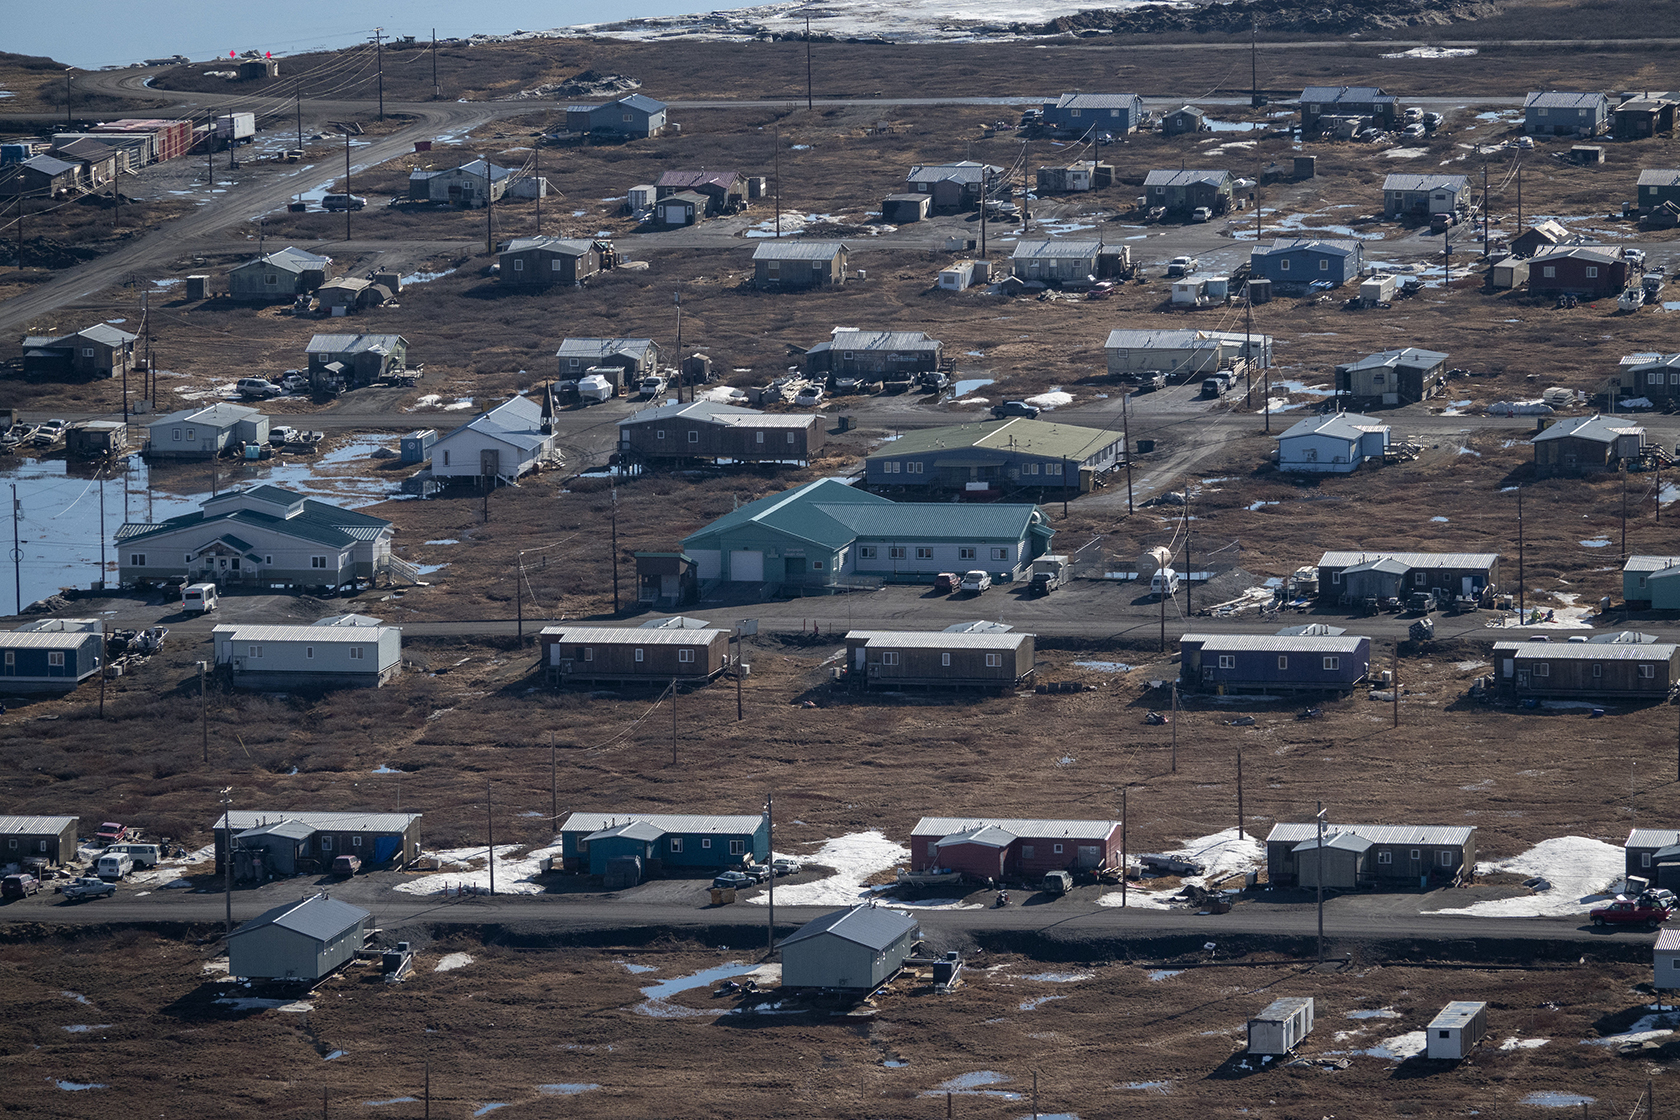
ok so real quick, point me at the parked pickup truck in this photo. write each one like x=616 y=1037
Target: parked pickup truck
x=78 y=889
x=1642 y=911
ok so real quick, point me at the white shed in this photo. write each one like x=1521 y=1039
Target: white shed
x=1665 y=960
x=504 y=443
x=1281 y=1027
x=1457 y=1029
x=1334 y=444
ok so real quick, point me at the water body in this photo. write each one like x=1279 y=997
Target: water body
x=208 y=29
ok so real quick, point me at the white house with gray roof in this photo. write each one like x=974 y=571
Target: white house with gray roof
x=1556 y=113
x=1336 y=443
x=1179 y=353
x=300 y=941
x=204 y=432
x=857 y=949
x=282 y=657
x=1420 y=196
x=498 y=445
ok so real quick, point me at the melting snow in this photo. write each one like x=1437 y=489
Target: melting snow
x=854 y=857
x=513 y=876
x=451 y=961
x=1579 y=870
x=1222 y=855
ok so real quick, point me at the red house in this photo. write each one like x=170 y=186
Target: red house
x=1009 y=848
x=1583 y=270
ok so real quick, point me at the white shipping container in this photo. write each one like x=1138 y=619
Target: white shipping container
x=235 y=127
x=1281 y=1027
x=1378 y=289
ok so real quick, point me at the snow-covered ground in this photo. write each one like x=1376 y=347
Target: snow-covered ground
x=854 y=857
x=467 y=868
x=1222 y=854
x=1579 y=870
x=1658 y=1024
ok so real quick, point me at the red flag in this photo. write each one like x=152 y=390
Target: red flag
x=268 y=54
x=232 y=54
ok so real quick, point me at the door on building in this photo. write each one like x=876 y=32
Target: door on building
x=858 y=658
x=1090 y=855
x=489 y=462
x=747 y=566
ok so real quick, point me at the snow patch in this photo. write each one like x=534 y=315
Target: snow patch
x=1578 y=868
x=855 y=858
x=451 y=961
x=513 y=875
x=1223 y=855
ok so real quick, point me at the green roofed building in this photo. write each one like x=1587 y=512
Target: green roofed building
x=825 y=531
x=993 y=455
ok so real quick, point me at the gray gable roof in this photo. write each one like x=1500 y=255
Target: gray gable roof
x=1385 y=359
x=1337 y=425
x=1312 y=244
x=353 y=343
x=783 y=249
x=1557 y=100
x=1053 y=249
x=1666 y=177
x=1284 y=833
x=564 y=246
x=49 y=165
x=1411 y=559
x=1404 y=181
x=1349 y=95
x=1097 y=101
x=1597 y=429
x=874 y=927
x=597 y=348
x=1185 y=178
x=289 y=259
x=964 y=171
x=641 y=101
x=721 y=824
x=320 y=918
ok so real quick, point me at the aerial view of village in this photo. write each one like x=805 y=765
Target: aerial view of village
x=833 y=561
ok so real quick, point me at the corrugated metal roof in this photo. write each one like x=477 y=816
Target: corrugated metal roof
x=852 y=338
x=631 y=635
x=597 y=348
x=1337 y=425
x=353 y=343
x=986 y=835
x=792 y=249
x=1650 y=563
x=1458 y=1013
x=35 y=639
x=1595 y=253
x=906 y=639
x=1016 y=435
x=1185 y=178
x=671 y=822
x=1327 y=246
x=1411 y=559
x=291 y=830
x=1280 y=1009
x=34 y=826
x=1276 y=643
x=320 y=918
x=1054 y=250
x=1340 y=841
x=874 y=927
x=1035 y=828
x=1663 y=177
x=633 y=830
x=1098 y=101
x=565 y=246
x=1623 y=638
x=1668 y=941
x=963 y=171
x=726 y=414
x=1377 y=833
x=641 y=101
x=1180 y=339
x=1597 y=429
x=314 y=635
x=241 y=819
x=49 y=165
x=690 y=179
x=1593 y=651
x=1407 y=181
x=1392 y=567
x=1386 y=359
x=1651 y=838
x=1558 y=100
x=1356 y=95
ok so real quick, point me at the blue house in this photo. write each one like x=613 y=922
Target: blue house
x=1305 y=261
x=1116 y=113
x=664 y=842
x=52 y=655
x=1273 y=663
x=636 y=116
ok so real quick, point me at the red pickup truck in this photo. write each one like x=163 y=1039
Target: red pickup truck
x=1643 y=911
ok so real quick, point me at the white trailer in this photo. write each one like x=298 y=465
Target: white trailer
x=236 y=128
x=1378 y=289
x=1457 y=1029
x=1281 y=1027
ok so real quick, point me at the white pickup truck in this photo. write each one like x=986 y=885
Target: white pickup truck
x=78 y=889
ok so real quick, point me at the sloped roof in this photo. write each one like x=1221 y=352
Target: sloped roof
x=1177 y=339
x=241 y=819
x=1015 y=434
x=1648 y=563
x=940 y=639
x=353 y=343
x=314 y=635
x=319 y=918
x=1592 y=651
x=716 y=412
x=630 y=830
x=515 y=421
x=291 y=260
x=1327 y=246
x=985 y=835
x=1387 y=359
x=564 y=246
x=1033 y=828
x=851 y=338
x=1595 y=429
x=49 y=165
x=1353 y=95
x=792 y=249
x=320 y=522
x=1598 y=254
x=1335 y=425
x=731 y=824
x=1097 y=101
x=1559 y=100
x=963 y=171
x=104 y=333
x=598 y=348
x=1665 y=177
x=291 y=830
x=640 y=101
x=1185 y=178
x=471 y=167
x=1340 y=841
x=873 y=927
x=1287 y=833
x=1406 y=181
x=1412 y=559
x=688 y=180
x=222 y=414
x=1053 y=249
x=1549 y=230
x=634 y=635
x=1277 y=643
x=18 y=826
x=1385 y=565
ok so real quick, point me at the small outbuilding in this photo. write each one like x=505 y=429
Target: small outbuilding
x=1665 y=961
x=304 y=940
x=50 y=838
x=901 y=209
x=50 y=660
x=666 y=580
x=1456 y=1030
x=858 y=949
x=684 y=208
x=1184 y=119
x=1281 y=1027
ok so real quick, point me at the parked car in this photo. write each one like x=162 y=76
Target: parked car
x=847 y=384
x=946 y=583
x=1201 y=214
x=652 y=385
x=110 y=833
x=787 y=866
x=933 y=381
x=1100 y=290
x=294 y=382
x=343 y=202
x=1182 y=266
x=976 y=582
x=85 y=887
x=281 y=436
x=346 y=865
x=48 y=432
x=19 y=886
x=115 y=865
x=732 y=880
x=1642 y=911
x=757 y=872
x=1015 y=408
x=143 y=855
x=257 y=388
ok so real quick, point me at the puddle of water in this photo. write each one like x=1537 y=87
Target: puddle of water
x=566 y=1088
x=968 y=385
x=77 y=996
x=1165 y=973
x=83 y=1028
x=1035 y=1004
x=975 y=1084
x=1596 y=544
x=393 y=1100
x=77 y=1086
x=638 y=969
x=491 y=1107
x=1551 y=1099
x=1374 y=1013
x=1161 y=1087
x=334 y=1054
x=1438 y=519
x=1061 y=977
x=895 y=1063
x=386 y=768
x=705 y=977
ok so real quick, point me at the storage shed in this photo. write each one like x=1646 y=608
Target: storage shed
x=666 y=580
x=416 y=446
x=1281 y=1027
x=50 y=838
x=894 y=659
x=900 y=209
x=96 y=439
x=1338 y=862
x=857 y=949
x=303 y=940
x=1665 y=961
x=589 y=654
x=1456 y=1030
x=49 y=661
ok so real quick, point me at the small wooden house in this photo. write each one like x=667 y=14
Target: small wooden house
x=1586 y=670
x=707 y=430
x=1055 y=261
x=857 y=949
x=1336 y=443
x=954 y=186
x=379 y=840
x=282 y=275
x=1392 y=377
x=361 y=359
x=1182 y=191
x=587 y=654
x=635 y=116
x=895 y=659
x=995 y=848
x=1587 y=445
x=666 y=580
x=300 y=941
x=541 y=261
x=1556 y=113
x=792 y=263
x=1114 y=113
x=725 y=191
x=1341 y=576
x=281 y=657
x=1347 y=101
x=683 y=208
x=1299 y=262
x=1456 y=1030
x=1184 y=119
x=1641 y=118
x=50 y=838
x=1384 y=855
x=1589 y=271
x=1420 y=196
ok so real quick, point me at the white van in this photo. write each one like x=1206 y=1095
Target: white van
x=199 y=598
x=1164 y=581
x=143 y=855
x=114 y=866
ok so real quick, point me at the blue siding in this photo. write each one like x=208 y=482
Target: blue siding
x=32 y=664
x=1304 y=267
x=695 y=851
x=1304 y=668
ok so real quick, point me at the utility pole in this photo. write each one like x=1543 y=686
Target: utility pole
x=553 y=782
x=1320 y=877
x=1624 y=514
x=1446 y=253
x=1162 y=574
x=1239 y=795
x=1519 y=191
x=809 y=105
x=519 y=600
x=347 y=194
x=437 y=90
x=489 y=206
x=68 y=78
x=17 y=555
x=1394 y=683
x=770 y=832
x=776 y=137
x=297 y=95
x=1522 y=606
x=1487 y=241
x=1026 y=205
x=490 y=835
x=102 y=568
x=1254 y=101
x=985 y=194
x=536 y=154
x=203 y=711
x=673 y=721
x=1174 y=722
x=227 y=854
x=1126 y=438
x=1125 y=863
x=379 y=64
x=615 y=548
x=1187 y=609
x=210 y=158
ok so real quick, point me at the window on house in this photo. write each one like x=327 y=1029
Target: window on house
x=889 y=659
x=659 y=433
x=271 y=279
x=253 y=651
x=1598 y=670
x=1324 y=266
x=1592 y=272
x=589 y=653
x=309 y=653
x=790 y=437
x=317 y=561
x=966 y=553
x=816 y=565
x=554 y=266
x=895 y=552
x=1331 y=664
x=1052 y=468
x=175 y=434
x=705 y=842
x=1283 y=661
x=1645 y=859
x=685 y=656
x=1647 y=672
x=446 y=458
x=11 y=658
x=694 y=436
x=1283 y=265
x=1419 y=577
x=56 y=659
x=676 y=843
x=1335 y=577
x=192 y=433
x=1444 y=858
x=639 y=656
x=1415 y=854
x=356 y=653
x=1227 y=661
x=326 y=843
x=1385 y=857
x=737 y=847
x=1031 y=468
x=137 y=559
x=866 y=552
x=628 y=118
x=518 y=265
x=924 y=554
x=994 y=660
x=1542 y=670
x=918 y=468
x=1057 y=849
x=1000 y=554
x=1029 y=851
x=1548 y=271
x=760 y=437
x=945 y=659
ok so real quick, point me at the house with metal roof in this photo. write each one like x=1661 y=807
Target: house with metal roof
x=631 y=654
x=1651 y=582
x=1657 y=186
x=636 y=357
x=1183 y=120
x=97 y=351
x=305 y=940
x=1182 y=191
x=790 y=263
x=725 y=192
x=543 y=261
x=355 y=360
x=472 y=185
x=1307 y=261
x=1454 y=1032
x=664 y=843
x=1281 y=1027
x=1542 y=236
x=1114 y=113
x=1576 y=446
x=1055 y=260
x=636 y=116
x=1656 y=377
x=1643 y=116
x=1419 y=196
x=1347 y=101
x=257 y=536
x=1225 y=663
x=1653 y=854
x=992 y=849
x=1363 y=855
x=1555 y=113
x=52 y=839
x=1589 y=271
x=280 y=275
x=285 y=657
x=990 y=659
x=875 y=355
x=1184 y=353
x=711 y=431
x=825 y=531
x=204 y=432
x=500 y=444
x=1352 y=577
x=379 y=840
x=41 y=176
x=1586 y=670
x=954 y=186
x=1665 y=960
x=1335 y=443
x=993 y=457
x=850 y=950
x=1392 y=377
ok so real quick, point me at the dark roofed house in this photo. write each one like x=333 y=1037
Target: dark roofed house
x=1565 y=114
x=41 y=176
x=682 y=208
x=954 y=186
x=1305 y=261
x=1116 y=113
x=1183 y=191
x=725 y=191
x=1393 y=377
x=98 y=162
x=1365 y=855
x=666 y=580
x=857 y=949
x=1575 y=446
x=791 y=263
x=1347 y=101
x=362 y=358
x=540 y=261
x=1640 y=118
x=637 y=116
x=97 y=351
x=1409 y=195
x=1590 y=271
